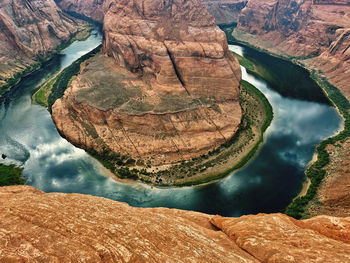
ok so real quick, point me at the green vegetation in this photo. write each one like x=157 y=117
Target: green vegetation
x=316 y=171
x=267 y=122
x=60 y=83
x=269 y=116
x=17 y=77
x=249 y=65
x=40 y=97
x=122 y=165
x=10 y=175
x=118 y=164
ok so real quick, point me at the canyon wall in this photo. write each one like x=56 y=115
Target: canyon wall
x=225 y=11
x=316 y=34
x=165 y=90
x=94 y=9
x=57 y=227
x=30 y=30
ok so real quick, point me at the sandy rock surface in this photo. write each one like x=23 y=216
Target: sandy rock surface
x=55 y=227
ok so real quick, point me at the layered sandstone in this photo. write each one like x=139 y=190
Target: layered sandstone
x=94 y=9
x=316 y=32
x=166 y=89
x=225 y=12
x=56 y=227
x=30 y=30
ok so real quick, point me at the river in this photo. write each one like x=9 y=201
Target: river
x=266 y=184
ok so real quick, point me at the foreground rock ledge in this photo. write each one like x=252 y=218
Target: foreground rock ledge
x=56 y=227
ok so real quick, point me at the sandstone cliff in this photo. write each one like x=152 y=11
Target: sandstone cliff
x=55 y=227
x=30 y=30
x=94 y=9
x=318 y=34
x=166 y=90
x=225 y=12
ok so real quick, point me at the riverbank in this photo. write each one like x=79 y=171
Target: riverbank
x=54 y=88
x=257 y=116
x=318 y=171
x=83 y=32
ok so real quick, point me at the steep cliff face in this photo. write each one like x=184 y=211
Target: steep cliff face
x=55 y=227
x=175 y=45
x=304 y=29
x=167 y=90
x=94 y=9
x=29 y=30
x=225 y=11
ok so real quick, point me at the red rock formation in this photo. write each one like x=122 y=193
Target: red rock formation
x=174 y=44
x=94 y=9
x=225 y=11
x=30 y=29
x=180 y=97
x=56 y=227
x=302 y=29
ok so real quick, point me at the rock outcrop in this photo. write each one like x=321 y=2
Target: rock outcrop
x=94 y=9
x=56 y=227
x=225 y=12
x=166 y=90
x=30 y=30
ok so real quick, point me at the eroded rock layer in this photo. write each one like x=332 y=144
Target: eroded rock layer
x=175 y=45
x=94 y=9
x=225 y=12
x=166 y=90
x=30 y=30
x=56 y=227
x=316 y=32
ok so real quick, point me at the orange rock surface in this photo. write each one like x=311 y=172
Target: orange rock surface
x=29 y=30
x=225 y=11
x=94 y=9
x=303 y=29
x=56 y=227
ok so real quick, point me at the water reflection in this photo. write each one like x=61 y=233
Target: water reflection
x=266 y=184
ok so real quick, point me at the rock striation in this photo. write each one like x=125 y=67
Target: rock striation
x=57 y=227
x=225 y=12
x=94 y=9
x=317 y=32
x=30 y=30
x=165 y=90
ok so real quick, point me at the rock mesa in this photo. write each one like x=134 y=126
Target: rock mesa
x=165 y=90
